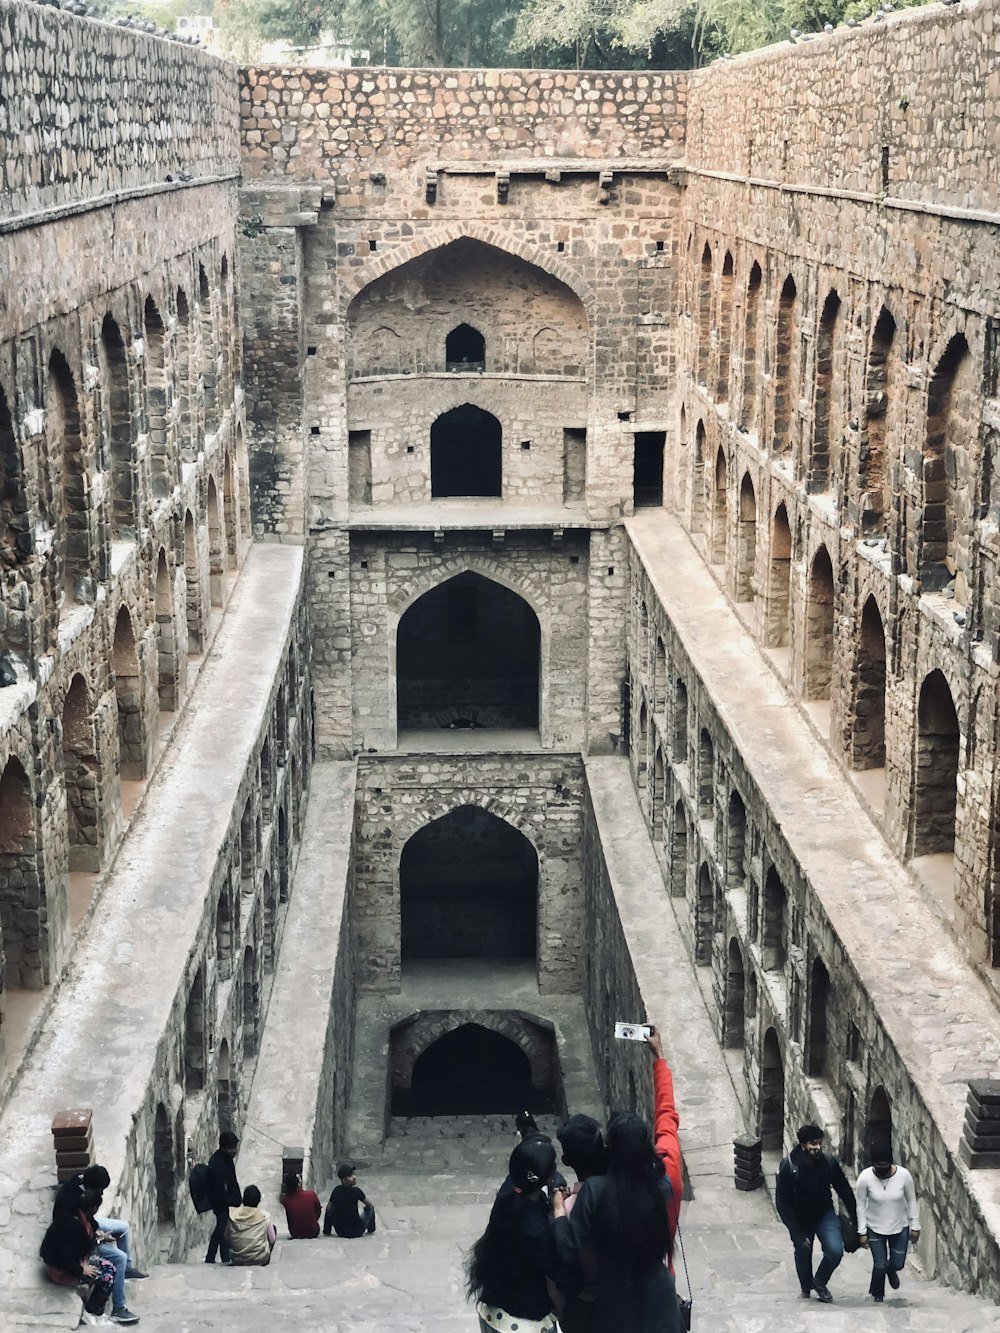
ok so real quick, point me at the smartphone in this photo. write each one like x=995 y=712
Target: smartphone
x=632 y=1031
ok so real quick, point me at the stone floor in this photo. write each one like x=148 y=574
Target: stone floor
x=433 y=1189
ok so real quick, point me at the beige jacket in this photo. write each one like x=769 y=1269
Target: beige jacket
x=248 y=1235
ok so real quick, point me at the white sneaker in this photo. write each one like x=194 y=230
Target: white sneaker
x=100 y=1320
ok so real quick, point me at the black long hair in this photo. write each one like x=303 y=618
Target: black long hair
x=631 y=1228
x=496 y=1261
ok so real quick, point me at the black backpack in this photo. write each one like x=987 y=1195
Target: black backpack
x=200 y=1185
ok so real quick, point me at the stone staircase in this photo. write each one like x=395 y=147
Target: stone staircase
x=433 y=1187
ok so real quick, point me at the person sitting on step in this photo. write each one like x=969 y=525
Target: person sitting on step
x=302 y=1208
x=114 y=1234
x=348 y=1213
x=69 y=1253
x=251 y=1231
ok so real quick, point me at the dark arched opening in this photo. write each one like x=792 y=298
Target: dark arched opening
x=735 y=997
x=465 y=349
x=468 y=888
x=772 y=1094
x=936 y=769
x=466 y=453
x=878 y=1126
x=471 y=1070
x=467 y=656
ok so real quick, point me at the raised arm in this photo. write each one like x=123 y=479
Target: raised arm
x=666 y=1123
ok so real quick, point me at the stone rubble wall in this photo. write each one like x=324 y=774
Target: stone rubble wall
x=91 y=109
x=923 y=84
x=308 y=124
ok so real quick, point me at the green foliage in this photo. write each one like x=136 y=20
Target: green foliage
x=661 y=34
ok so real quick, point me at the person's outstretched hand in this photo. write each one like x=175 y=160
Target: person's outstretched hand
x=655 y=1043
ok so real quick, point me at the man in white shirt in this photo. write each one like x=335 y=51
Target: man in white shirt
x=888 y=1218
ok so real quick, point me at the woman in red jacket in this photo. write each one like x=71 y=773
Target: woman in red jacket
x=666 y=1123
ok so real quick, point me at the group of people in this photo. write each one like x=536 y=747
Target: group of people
x=82 y=1248
x=881 y=1211
x=598 y=1255
x=244 y=1233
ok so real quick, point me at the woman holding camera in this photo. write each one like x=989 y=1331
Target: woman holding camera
x=625 y=1220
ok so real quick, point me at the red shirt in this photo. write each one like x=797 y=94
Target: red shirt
x=302 y=1210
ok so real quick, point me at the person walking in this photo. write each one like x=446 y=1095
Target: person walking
x=804 y=1201
x=225 y=1194
x=888 y=1218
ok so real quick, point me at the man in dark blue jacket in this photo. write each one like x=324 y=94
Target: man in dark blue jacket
x=225 y=1193
x=804 y=1200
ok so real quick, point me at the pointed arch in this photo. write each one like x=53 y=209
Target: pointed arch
x=726 y=286
x=160 y=453
x=945 y=466
x=785 y=368
x=751 y=368
x=873 y=463
x=119 y=432
x=936 y=767
x=820 y=1007
x=82 y=775
x=465 y=349
x=772 y=1094
x=703 y=917
x=820 y=613
x=468 y=655
x=209 y=358
x=168 y=681
x=21 y=889
x=823 y=471
x=735 y=996
x=779 y=579
x=183 y=372
x=868 y=713
x=229 y=511
x=719 y=514
x=698 y=479
x=679 y=853
x=192 y=580
x=66 y=441
x=132 y=747
x=746 y=543
x=216 y=551
x=705 y=315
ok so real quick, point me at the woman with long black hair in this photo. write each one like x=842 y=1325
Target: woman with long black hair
x=510 y=1265
x=621 y=1225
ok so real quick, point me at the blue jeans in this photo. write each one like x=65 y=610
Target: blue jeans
x=888 y=1256
x=827 y=1231
x=118 y=1252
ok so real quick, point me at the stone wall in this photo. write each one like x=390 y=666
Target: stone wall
x=836 y=443
x=877 y=110
x=539 y=795
x=312 y=124
x=91 y=110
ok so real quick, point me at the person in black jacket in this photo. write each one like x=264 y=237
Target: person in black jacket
x=511 y=1264
x=805 y=1205
x=226 y=1193
x=68 y=1253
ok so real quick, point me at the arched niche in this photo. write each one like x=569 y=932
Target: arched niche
x=465 y=349
x=468 y=656
x=467 y=282
x=468 y=888
x=472 y=1070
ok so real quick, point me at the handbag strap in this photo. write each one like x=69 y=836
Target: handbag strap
x=687 y=1275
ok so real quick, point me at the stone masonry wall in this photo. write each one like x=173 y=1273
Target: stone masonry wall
x=921 y=87
x=539 y=795
x=837 y=443
x=91 y=109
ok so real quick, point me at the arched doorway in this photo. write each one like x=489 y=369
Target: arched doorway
x=128 y=691
x=868 y=730
x=164 y=1168
x=878 y=1125
x=466 y=453
x=936 y=768
x=735 y=997
x=465 y=349
x=772 y=1094
x=471 y=1070
x=820 y=613
x=81 y=772
x=468 y=657
x=224 y=1087
x=20 y=917
x=468 y=888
